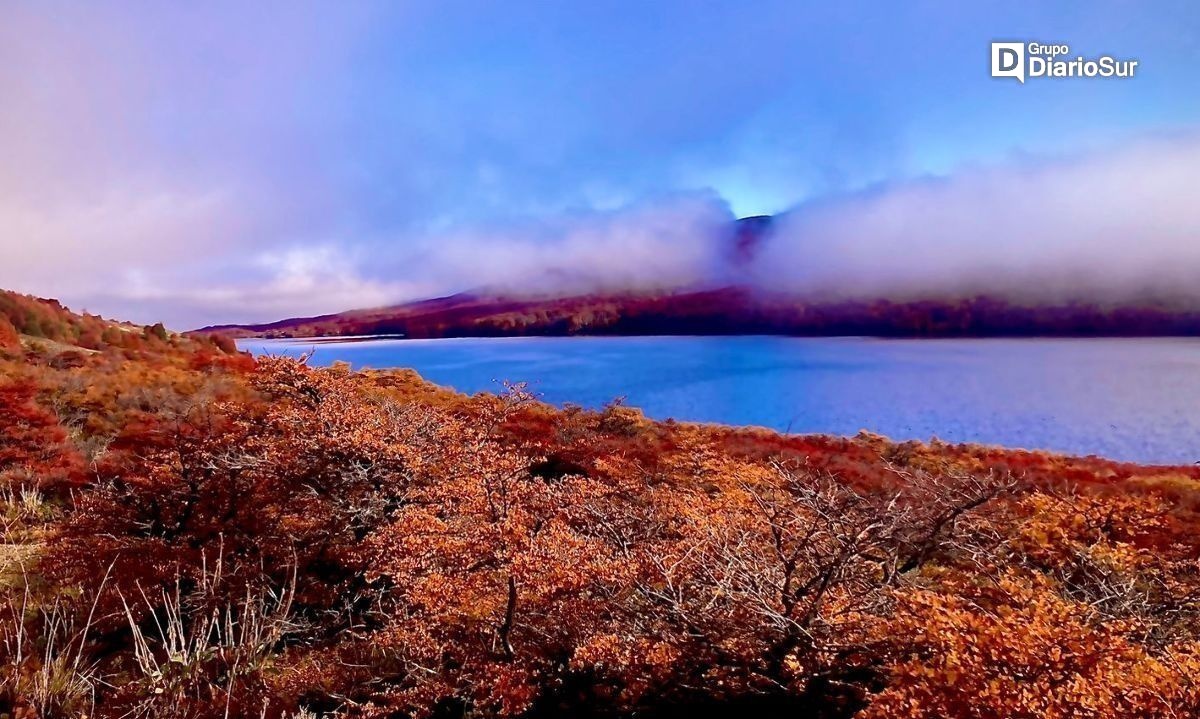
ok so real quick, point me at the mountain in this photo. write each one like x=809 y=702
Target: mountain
x=733 y=309
x=748 y=235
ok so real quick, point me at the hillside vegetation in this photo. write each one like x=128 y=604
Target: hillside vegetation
x=734 y=310
x=189 y=532
x=45 y=323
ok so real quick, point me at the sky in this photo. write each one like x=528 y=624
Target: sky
x=234 y=162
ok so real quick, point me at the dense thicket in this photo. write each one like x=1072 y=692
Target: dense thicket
x=191 y=533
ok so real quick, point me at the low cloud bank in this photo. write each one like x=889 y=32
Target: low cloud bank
x=669 y=243
x=675 y=242
x=1110 y=227
x=1114 y=226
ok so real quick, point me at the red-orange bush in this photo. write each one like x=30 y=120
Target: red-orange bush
x=230 y=537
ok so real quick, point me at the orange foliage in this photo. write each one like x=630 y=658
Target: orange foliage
x=1020 y=648
x=35 y=450
x=9 y=339
x=215 y=536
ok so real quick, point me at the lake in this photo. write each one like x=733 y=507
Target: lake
x=1128 y=399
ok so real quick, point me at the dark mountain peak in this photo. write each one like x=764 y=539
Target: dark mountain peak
x=748 y=236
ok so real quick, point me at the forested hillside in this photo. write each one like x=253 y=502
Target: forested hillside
x=735 y=310
x=189 y=532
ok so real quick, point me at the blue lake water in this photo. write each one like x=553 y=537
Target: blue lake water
x=1128 y=399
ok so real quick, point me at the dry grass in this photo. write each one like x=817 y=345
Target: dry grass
x=196 y=644
x=46 y=667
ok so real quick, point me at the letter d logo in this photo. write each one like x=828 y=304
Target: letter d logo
x=1008 y=60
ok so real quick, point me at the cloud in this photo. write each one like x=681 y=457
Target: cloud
x=1108 y=226
x=673 y=242
x=132 y=144
x=301 y=281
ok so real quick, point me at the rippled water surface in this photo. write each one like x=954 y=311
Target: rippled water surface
x=1130 y=399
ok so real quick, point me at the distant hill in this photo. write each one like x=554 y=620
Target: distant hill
x=47 y=325
x=732 y=310
x=728 y=311
x=748 y=236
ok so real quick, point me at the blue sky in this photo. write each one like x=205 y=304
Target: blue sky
x=220 y=163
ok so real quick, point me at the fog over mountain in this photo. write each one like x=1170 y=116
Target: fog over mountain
x=1107 y=227
x=1113 y=226
x=1104 y=243
x=668 y=243
x=1117 y=225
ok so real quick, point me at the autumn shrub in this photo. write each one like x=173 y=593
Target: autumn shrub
x=10 y=341
x=1077 y=610
x=35 y=451
x=193 y=533
x=1018 y=648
